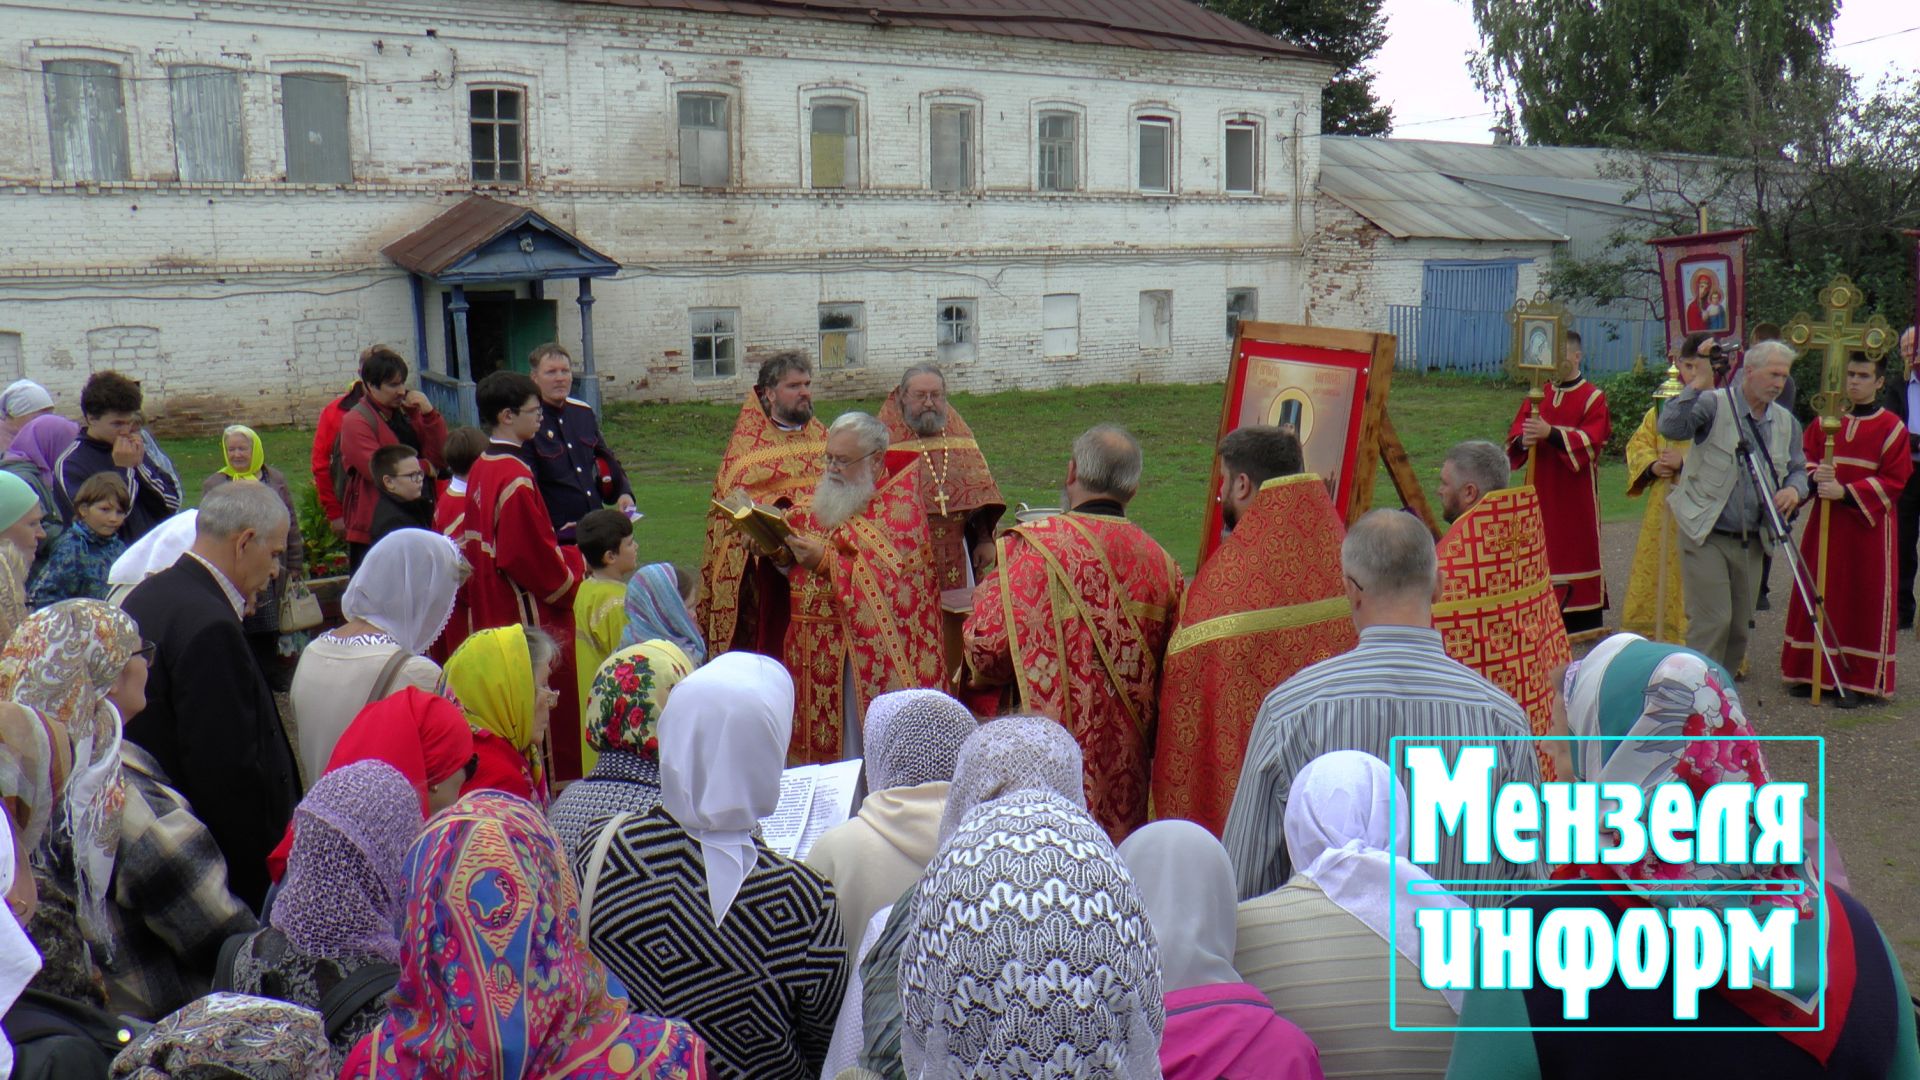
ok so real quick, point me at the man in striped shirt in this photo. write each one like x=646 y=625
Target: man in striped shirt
x=1398 y=681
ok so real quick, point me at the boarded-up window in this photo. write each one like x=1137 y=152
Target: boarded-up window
x=950 y=133
x=716 y=342
x=496 y=120
x=86 y=119
x=705 y=158
x=1060 y=324
x=1059 y=146
x=1243 y=305
x=958 y=331
x=206 y=123
x=1241 y=160
x=1156 y=319
x=843 y=335
x=1156 y=153
x=313 y=112
x=836 y=144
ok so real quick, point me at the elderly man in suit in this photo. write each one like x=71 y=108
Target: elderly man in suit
x=210 y=719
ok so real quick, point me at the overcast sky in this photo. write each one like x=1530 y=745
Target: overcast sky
x=1423 y=66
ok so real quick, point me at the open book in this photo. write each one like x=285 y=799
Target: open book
x=813 y=799
x=764 y=527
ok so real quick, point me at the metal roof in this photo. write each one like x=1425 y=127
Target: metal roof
x=464 y=243
x=1157 y=25
x=1418 y=188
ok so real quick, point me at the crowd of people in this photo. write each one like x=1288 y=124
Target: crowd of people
x=1113 y=823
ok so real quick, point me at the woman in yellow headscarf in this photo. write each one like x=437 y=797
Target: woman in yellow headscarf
x=500 y=679
x=246 y=459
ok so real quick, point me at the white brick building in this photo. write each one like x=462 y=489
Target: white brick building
x=197 y=193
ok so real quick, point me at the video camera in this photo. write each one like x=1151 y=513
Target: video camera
x=1720 y=355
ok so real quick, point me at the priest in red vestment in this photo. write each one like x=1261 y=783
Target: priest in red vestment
x=957 y=491
x=1076 y=618
x=1496 y=613
x=1565 y=438
x=774 y=457
x=1852 y=527
x=521 y=574
x=1269 y=602
x=865 y=604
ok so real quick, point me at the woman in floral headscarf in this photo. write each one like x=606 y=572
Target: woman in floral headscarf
x=622 y=725
x=229 y=1035
x=334 y=915
x=1648 y=715
x=500 y=678
x=495 y=977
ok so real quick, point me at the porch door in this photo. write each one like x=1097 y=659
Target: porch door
x=530 y=324
x=502 y=329
x=1463 y=313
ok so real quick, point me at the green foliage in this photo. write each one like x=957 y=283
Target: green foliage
x=1347 y=32
x=1629 y=393
x=1674 y=75
x=326 y=551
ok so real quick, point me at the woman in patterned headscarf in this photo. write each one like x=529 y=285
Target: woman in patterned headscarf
x=500 y=678
x=229 y=1035
x=622 y=720
x=335 y=911
x=658 y=606
x=495 y=977
x=1028 y=891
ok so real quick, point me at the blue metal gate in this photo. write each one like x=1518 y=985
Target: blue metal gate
x=1464 y=305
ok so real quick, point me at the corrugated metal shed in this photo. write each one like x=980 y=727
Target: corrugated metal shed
x=1441 y=190
x=1159 y=25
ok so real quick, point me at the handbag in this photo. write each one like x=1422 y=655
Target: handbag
x=299 y=608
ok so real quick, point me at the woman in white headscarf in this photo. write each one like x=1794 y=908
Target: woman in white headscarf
x=699 y=918
x=1315 y=945
x=152 y=553
x=1029 y=893
x=396 y=606
x=1218 y=1026
x=911 y=738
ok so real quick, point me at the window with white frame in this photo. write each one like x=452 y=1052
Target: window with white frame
x=1156 y=319
x=313 y=117
x=950 y=147
x=843 y=336
x=1058 y=144
x=206 y=123
x=497 y=119
x=836 y=143
x=716 y=342
x=86 y=120
x=705 y=141
x=1243 y=305
x=1060 y=324
x=1242 y=157
x=956 y=343
x=1154 y=141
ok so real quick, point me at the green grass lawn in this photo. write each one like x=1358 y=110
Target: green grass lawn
x=672 y=451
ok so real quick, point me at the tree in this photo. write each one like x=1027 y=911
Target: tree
x=1347 y=33
x=1651 y=75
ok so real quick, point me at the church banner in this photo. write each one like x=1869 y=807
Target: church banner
x=1703 y=282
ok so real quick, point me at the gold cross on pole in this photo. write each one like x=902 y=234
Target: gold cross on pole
x=1838 y=337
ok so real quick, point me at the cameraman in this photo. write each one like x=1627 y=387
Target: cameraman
x=1724 y=531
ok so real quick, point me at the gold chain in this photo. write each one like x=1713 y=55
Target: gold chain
x=940 y=478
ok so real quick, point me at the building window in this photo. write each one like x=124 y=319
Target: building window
x=843 y=336
x=497 y=119
x=313 y=114
x=206 y=123
x=1156 y=319
x=1243 y=305
x=958 y=331
x=716 y=342
x=950 y=133
x=1155 y=140
x=836 y=144
x=1242 y=157
x=1060 y=324
x=706 y=160
x=86 y=119
x=1059 y=140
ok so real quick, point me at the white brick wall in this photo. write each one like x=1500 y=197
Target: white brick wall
x=253 y=296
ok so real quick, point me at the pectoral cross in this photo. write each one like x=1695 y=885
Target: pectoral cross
x=1838 y=337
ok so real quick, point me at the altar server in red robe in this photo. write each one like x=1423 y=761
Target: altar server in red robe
x=1565 y=436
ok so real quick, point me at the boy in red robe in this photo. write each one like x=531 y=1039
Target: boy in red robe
x=521 y=574
x=1565 y=439
x=1858 y=487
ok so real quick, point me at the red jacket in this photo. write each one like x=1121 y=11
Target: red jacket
x=360 y=436
x=323 y=439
